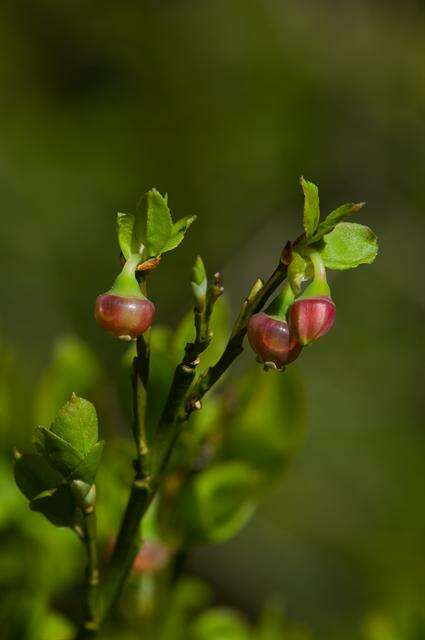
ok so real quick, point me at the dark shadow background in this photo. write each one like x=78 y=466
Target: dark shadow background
x=224 y=105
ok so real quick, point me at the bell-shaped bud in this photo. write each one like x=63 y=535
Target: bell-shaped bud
x=312 y=315
x=124 y=310
x=269 y=334
x=312 y=318
x=272 y=341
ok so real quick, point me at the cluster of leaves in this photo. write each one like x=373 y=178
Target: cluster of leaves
x=221 y=473
x=58 y=478
x=341 y=245
x=151 y=230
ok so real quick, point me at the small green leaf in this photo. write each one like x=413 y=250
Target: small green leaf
x=125 y=229
x=33 y=475
x=224 y=498
x=199 y=275
x=159 y=226
x=334 y=217
x=271 y=625
x=54 y=626
x=311 y=207
x=348 y=245
x=57 y=505
x=266 y=440
x=297 y=272
x=178 y=232
x=219 y=623
x=76 y=423
x=87 y=470
x=58 y=453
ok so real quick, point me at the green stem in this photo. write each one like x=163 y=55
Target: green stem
x=234 y=346
x=140 y=378
x=90 y=625
x=179 y=404
x=128 y=540
x=127 y=545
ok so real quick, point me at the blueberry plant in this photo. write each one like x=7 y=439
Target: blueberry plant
x=198 y=471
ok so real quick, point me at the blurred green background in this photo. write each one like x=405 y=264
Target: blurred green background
x=224 y=105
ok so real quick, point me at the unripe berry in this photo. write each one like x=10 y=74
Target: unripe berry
x=311 y=318
x=272 y=340
x=124 y=310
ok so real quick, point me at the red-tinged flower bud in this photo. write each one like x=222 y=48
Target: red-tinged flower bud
x=122 y=316
x=272 y=340
x=153 y=556
x=124 y=310
x=312 y=315
x=311 y=318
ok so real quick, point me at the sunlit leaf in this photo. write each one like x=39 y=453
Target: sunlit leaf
x=348 y=245
x=178 y=232
x=125 y=228
x=76 y=423
x=311 y=207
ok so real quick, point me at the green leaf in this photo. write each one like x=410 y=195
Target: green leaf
x=187 y=597
x=348 y=246
x=125 y=229
x=266 y=439
x=73 y=367
x=199 y=275
x=297 y=272
x=271 y=625
x=87 y=470
x=178 y=232
x=334 y=217
x=311 y=207
x=58 y=453
x=151 y=231
x=33 y=475
x=57 y=505
x=76 y=423
x=56 y=626
x=219 y=623
x=159 y=226
x=222 y=500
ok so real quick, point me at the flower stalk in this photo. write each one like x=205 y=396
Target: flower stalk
x=90 y=625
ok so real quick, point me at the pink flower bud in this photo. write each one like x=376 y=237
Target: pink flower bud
x=153 y=556
x=125 y=317
x=272 y=340
x=311 y=318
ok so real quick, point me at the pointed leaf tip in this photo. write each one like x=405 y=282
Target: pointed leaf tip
x=76 y=423
x=311 y=206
